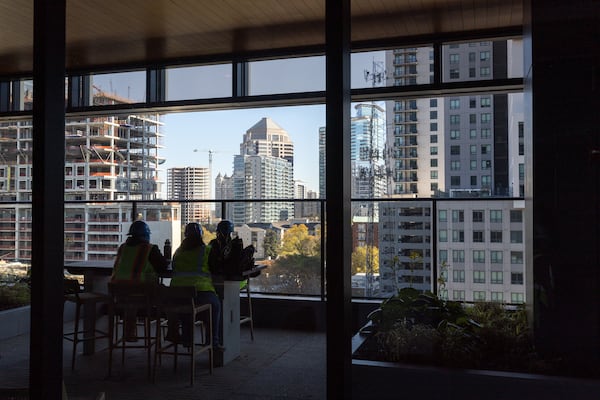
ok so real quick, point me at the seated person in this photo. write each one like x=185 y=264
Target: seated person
x=138 y=261
x=190 y=268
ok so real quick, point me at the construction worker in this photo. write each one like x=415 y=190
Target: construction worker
x=190 y=268
x=138 y=261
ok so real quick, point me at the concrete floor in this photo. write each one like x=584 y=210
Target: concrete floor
x=279 y=364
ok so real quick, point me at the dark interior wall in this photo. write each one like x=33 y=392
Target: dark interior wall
x=564 y=93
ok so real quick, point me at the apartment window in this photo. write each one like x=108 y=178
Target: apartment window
x=479 y=256
x=455 y=165
x=484 y=56
x=496 y=236
x=458 y=276
x=497 y=277
x=472 y=102
x=433 y=126
x=433 y=162
x=455 y=150
x=516 y=278
x=442 y=215
x=433 y=114
x=454 y=104
x=454 y=74
x=433 y=186
x=496 y=257
x=472 y=56
x=458 y=216
x=521 y=171
x=472 y=72
x=433 y=174
x=455 y=181
x=478 y=236
x=495 y=216
x=516 y=216
x=433 y=150
x=473 y=180
x=458 y=256
x=433 y=138
x=497 y=296
x=486 y=118
x=473 y=151
x=486 y=102
x=443 y=235
x=486 y=164
x=458 y=295
x=477 y=216
x=443 y=256
x=472 y=118
x=478 y=295
x=516 y=236
x=432 y=102
x=516 y=298
x=454 y=58
x=516 y=257
x=486 y=181
x=454 y=134
x=455 y=119
x=484 y=71
x=458 y=236
x=486 y=133
x=473 y=133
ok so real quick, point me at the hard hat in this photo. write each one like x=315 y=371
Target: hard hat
x=139 y=229
x=225 y=227
x=193 y=229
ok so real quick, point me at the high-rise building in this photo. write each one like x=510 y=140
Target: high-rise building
x=223 y=190
x=455 y=146
x=190 y=183
x=263 y=170
x=305 y=209
x=106 y=158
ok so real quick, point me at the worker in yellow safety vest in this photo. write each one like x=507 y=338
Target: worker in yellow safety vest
x=138 y=261
x=190 y=268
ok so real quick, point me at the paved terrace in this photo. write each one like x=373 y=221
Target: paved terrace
x=279 y=364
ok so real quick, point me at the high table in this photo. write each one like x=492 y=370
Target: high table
x=96 y=275
x=229 y=293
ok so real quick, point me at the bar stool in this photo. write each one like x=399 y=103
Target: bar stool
x=131 y=301
x=248 y=318
x=178 y=302
x=74 y=294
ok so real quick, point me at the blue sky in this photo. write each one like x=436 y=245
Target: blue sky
x=222 y=131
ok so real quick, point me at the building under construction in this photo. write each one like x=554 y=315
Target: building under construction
x=107 y=158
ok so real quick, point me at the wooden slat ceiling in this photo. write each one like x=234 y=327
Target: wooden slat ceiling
x=120 y=32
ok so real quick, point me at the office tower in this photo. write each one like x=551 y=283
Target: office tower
x=322 y=152
x=305 y=209
x=263 y=170
x=190 y=183
x=223 y=190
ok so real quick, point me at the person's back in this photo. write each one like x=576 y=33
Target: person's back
x=190 y=265
x=190 y=268
x=137 y=259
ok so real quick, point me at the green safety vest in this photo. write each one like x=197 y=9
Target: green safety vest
x=190 y=268
x=133 y=264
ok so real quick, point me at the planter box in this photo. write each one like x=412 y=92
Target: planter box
x=14 y=322
x=387 y=380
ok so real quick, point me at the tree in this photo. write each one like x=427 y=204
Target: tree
x=296 y=240
x=271 y=244
x=359 y=259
